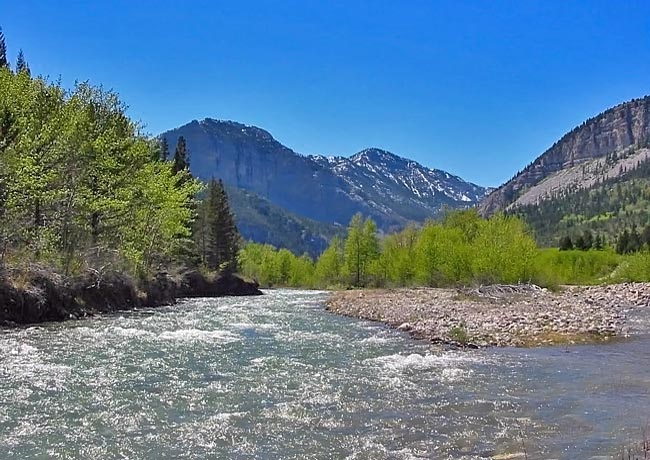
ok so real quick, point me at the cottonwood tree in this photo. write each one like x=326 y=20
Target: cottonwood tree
x=329 y=266
x=361 y=249
x=83 y=179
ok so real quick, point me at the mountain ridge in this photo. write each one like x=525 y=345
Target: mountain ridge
x=620 y=127
x=382 y=185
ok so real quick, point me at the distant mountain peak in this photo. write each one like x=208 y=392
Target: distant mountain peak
x=235 y=126
x=390 y=189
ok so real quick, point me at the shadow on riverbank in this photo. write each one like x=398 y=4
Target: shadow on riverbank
x=37 y=294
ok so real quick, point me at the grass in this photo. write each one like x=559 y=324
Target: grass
x=459 y=334
x=561 y=338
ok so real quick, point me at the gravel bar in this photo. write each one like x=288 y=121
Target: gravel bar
x=501 y=315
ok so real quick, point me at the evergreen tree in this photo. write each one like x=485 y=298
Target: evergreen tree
x=21 y=64
x=216 y=236
x=163 y=149
x=580 y=243
x=181 y=156
x=588 y=240
x=623 y=242
x=565 y=243
x=598 y=243
x=635 y=240
x=3 y=51
x=645 y=236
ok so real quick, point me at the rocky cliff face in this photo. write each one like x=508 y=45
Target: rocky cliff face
x=250 y=158
x=388 y=188
x=622 y=126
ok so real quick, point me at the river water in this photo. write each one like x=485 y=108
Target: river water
x=277 y=377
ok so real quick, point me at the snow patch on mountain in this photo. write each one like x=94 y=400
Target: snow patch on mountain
x=391 y=176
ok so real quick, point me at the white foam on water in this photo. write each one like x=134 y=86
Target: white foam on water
x=302 y=336
x=18 y=348
x=262 y=360
x=24 y=363
x=375 y=340
x=256 y=326
x=226 y=416
x=448 y=367
x=130 y=332
x=25 y=429
x=199 y=335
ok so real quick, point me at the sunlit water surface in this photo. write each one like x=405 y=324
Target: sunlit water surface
x=277 y=377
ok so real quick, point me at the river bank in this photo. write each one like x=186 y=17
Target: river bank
x=523 y=315
x=38 y=294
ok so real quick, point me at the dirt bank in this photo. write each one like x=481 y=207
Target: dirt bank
x=38 y=295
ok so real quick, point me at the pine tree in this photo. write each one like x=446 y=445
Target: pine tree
x=588 y=239
x=623 y=242
x=565 y=243
x=3 y=51
x=645 y=236
x=181 y=156
x=598 y=243
x=21 y=64
x=164 y=149
x=215 y=234
x=635 y=240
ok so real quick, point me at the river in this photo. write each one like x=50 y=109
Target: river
x=278 y=377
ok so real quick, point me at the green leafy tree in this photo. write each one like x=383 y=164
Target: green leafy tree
x=397 y=256
x=430 y=255
x=79 y=182
x=361 y=249
x=598 y=243
x=329 y=267
x=503 y=250
x=623 y=242
x=634 y=243
x=588 y=239
x=645 y=236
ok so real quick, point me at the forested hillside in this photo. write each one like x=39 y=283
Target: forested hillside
x=608 y=208
x=621 y=127
x=261 y=221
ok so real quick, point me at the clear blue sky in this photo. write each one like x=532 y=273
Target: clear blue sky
x=478 y=88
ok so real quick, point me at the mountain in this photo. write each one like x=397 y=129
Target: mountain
x=606 y=207
x=264 y=222
x=398 y=183
x=390 y=189
x=578 y=159
x=596 y=178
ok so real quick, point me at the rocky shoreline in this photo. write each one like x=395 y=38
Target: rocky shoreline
x=519 y=315
x=38 y=294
